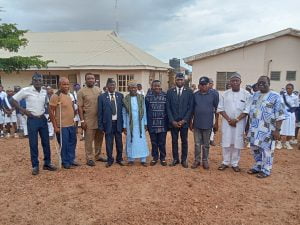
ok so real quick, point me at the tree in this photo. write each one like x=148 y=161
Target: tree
x=11 y=39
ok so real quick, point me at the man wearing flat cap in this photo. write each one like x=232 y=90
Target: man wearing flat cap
x=36 y=98
x=205 y=106
x=179 y=109
x=234 y=107
x=110 y=120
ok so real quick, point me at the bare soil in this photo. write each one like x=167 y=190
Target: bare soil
x=152 y=195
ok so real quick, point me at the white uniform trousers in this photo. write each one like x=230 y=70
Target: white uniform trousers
x=50 y=126
x=231 y=156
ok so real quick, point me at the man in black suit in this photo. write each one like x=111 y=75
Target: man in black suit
x=179 y=108
x=110 y=120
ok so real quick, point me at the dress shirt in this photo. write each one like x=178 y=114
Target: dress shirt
x=35 y=101
x=114 y=117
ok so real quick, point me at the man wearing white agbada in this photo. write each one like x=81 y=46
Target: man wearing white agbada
x=288 y=126
x=234 y=107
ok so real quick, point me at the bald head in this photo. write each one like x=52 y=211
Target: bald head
x=64 y=85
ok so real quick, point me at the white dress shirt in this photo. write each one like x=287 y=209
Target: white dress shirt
x=35 y=101
x=179 y=90
x=114 y=117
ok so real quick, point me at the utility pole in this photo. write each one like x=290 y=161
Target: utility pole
x=116 y=17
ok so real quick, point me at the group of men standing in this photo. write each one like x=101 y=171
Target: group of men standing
x=110 y=114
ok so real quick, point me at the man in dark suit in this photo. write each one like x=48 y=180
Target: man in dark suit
x=179 y=108
x=110 y=120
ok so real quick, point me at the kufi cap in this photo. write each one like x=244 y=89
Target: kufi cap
x=110 y=81
x=179 y=76
x=204 y=80
x=37 y=76
x=132 y=83
x=235 y=75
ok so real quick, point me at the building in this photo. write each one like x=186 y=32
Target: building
x=102 y=53
x=276 y=55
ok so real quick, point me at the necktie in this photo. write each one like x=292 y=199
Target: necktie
x=113 y=104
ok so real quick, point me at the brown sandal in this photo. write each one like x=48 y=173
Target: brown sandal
x=252 y=171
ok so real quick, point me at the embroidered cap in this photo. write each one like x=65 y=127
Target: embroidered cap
x=204 y=80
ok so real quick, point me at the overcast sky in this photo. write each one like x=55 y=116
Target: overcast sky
x=163 y=28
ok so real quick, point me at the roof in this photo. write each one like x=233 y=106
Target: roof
x=288 y=31
x=87 y=50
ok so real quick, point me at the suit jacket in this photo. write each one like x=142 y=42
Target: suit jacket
x=105 y=112
x=180 y=108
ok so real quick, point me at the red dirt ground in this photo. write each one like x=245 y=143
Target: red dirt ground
x=152 y=195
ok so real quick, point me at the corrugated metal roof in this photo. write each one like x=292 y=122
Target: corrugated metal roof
x=288 y=31
x=87 y=49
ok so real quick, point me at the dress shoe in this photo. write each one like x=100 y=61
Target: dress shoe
x=205 y=165
x=67 y=167
x=195 y=165
x=163 y=163
x=222 y=167
x=185 y=164
x=174 y=163
x=35 y=170
x=236 y=168
x=109 y=164
x=144 y=164
x=121 y=163
x=90 y=163
x=130 y=163
x=101 y=159
x=153 y=162
x=49 y=167
x=75 y=164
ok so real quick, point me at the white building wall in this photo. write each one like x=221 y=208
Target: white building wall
x=253 y=61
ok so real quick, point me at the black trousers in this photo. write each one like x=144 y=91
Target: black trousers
x=109 y=141
x=184 y=143
x=158 y=142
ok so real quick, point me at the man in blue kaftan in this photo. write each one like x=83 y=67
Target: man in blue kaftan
x=134 y=116
x=266 y=115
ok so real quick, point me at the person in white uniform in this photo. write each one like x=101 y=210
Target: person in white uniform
x=3 y=95
x=234 y=108
x=288 y=126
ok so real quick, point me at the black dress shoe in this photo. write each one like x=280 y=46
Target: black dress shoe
x=163 y=162
x=109 y=164
x=35 y=170
x=153 y=162
x=75 y=164
x=121 y=163
x=90 y=163
x=174 y=163
x=67 y=167
x=195 y=165
x=49 y=167
x=144 y=164
x=185 y=164
x=101 y=159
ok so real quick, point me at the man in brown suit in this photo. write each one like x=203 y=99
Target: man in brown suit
x=88 y=107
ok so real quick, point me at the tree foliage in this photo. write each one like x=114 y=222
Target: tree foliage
x=11 y=39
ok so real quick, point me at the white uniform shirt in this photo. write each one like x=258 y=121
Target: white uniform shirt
x=234 y=103
x=35 y=101
x=114 y=117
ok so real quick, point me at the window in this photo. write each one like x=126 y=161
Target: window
x=123 y=81
x=151 y=77
x=97 y=80
x=275 y=75
x=290 y=75
x=160 y=77
x=51 y=80
x=222 y=79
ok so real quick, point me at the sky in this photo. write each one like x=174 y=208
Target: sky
x=163 y=28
